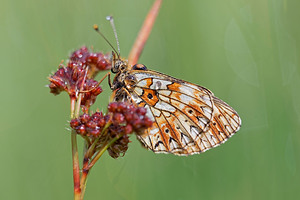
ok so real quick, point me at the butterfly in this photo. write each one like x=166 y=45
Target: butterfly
x=188 y=119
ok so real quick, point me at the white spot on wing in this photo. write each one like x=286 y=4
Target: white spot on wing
x=156 y=112
x=174 y=145
x=147 y=141
x=181 y=106
x=143 y=75
x=166 y=114
x=201 y=145
x=200 y=123
x=164 y=92
x=149 y=113
x=204 y=120
x=210 y=138
x=164 y=106
x=153 y=131
x=205 y=142
x=138 y=90
x=142 y=83
x=185 y=140
x=206 y=99
x=161 y=147
x=207 y=111
x=164 y=98
x=136 y=98
x=187 y=90
x=159 y=84
x=185 y=98
x=194 y=132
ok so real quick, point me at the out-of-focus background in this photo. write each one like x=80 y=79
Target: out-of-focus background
x=246 y=52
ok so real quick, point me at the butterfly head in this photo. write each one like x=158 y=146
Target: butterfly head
x=118 y=64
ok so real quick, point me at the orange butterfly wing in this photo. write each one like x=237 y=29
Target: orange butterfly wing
x=188 y=119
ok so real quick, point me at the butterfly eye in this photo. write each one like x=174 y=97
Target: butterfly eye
x=118 y=66
x=122 y=68
x=115 y=68
x=139 y=67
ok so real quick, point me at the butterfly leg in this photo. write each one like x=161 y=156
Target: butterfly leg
x=107 y=74
x=109 y=81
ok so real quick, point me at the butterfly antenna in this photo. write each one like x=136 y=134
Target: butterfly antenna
x=96 y=28
x=111 y=20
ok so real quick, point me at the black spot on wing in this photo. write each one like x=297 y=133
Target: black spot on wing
x=158 y=143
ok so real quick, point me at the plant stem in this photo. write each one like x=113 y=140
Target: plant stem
x=144 y=33
x=83 y=182
x=76 y=168
x=87 y=156
x=87 y=168
x=100 y=153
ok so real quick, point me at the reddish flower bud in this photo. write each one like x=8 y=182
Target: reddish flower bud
x=74 y=123
x=119 y=118
x=84 y=118
x=141 y=111
x=128 y=129
x=112 y=107
x=101 y=122
x=95 y=132
x=91 y=124
x=81 y=130
x=82 y=66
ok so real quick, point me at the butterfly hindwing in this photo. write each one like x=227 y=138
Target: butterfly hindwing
x=188 y=119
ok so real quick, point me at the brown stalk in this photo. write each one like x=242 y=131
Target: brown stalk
x=144 y=33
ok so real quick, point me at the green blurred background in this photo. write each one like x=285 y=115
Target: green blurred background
x=245 y=51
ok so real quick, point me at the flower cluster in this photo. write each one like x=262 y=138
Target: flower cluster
x=132 y=119
x=96 y=61
x=98 y=129
x=122 y=118
x=89 y=125
x=78 y=75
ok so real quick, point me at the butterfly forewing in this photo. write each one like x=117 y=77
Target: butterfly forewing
x=188 y=118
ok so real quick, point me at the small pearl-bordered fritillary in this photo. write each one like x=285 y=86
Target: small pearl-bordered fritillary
x=188 y=119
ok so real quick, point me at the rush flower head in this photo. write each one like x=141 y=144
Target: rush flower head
x=72 y=79
x=96 y=61
x=122 y=118
x=132 y=119
x=78 y=75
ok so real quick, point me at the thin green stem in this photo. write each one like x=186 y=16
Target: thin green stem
x=100 y=153
x=89 y=153
x=91 y=149
x=73 y=102
x=87 y=168
x=76 y=167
